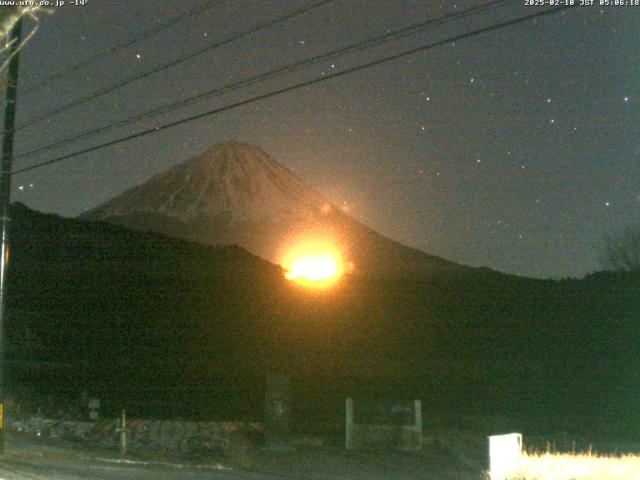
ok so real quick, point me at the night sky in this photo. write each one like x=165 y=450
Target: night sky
x=518 y=149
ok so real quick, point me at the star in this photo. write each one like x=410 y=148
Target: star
x=138 y=56
x=626 y=99
x=553 y=120
x=607 y=204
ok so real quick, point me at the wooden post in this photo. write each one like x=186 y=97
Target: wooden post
x=417 y=407
x=349 y=425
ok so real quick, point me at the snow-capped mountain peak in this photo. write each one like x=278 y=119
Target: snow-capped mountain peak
x=237 y=194
x=236 y=180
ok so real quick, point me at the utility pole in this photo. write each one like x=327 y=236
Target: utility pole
x=15 y=37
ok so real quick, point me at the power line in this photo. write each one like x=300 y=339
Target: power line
x=71 y=69
x=231 y=87
x=171 y=64
x=297 y=86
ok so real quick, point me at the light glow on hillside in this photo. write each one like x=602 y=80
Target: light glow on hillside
x=313 y=265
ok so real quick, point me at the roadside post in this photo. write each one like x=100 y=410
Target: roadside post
x=348 y=441
x=123 y=433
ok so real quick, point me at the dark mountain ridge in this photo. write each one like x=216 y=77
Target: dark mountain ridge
x=169 y=327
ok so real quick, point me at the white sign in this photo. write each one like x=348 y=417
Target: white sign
x=504 y=455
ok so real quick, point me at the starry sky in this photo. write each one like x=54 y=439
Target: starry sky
x=518 y=149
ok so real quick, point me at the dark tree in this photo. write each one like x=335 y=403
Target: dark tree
x=622 y=252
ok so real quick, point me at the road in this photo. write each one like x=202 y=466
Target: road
x=74 y=471
x=31 y=461
x=36 y=460
x=111 y=472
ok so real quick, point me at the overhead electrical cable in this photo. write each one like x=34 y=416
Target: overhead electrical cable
x=231 y=87
x=102 y=54
x=170 y=64
x=298 y=86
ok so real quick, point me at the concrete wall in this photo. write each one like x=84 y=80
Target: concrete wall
x=153 y=435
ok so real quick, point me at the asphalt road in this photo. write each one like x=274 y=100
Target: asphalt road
x=73 y=470
x=26 y=459
x=29 y=461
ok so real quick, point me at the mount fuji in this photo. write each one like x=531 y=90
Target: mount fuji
x=237 y=194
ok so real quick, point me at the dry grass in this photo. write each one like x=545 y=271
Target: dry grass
x=577 y=466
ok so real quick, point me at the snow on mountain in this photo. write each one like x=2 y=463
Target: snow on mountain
x=237 y=194
x=232 y=178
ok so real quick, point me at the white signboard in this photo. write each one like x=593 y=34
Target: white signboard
x=504 y=455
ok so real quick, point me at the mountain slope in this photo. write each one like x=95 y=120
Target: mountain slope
x=167 y=327
x=231 y=179
x=237 y=194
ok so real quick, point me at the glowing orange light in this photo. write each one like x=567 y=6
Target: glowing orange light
x=318 y=267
